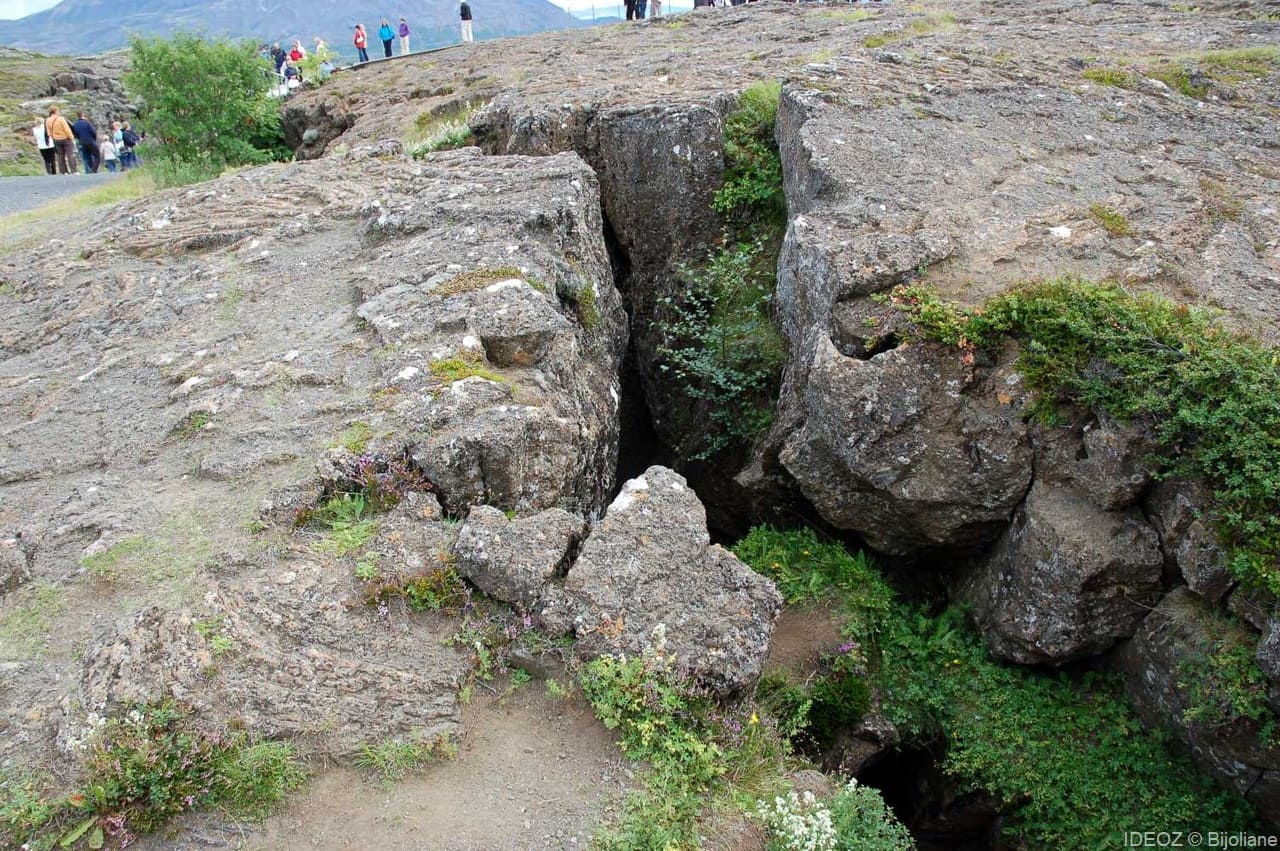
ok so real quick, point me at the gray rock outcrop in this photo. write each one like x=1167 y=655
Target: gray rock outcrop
x=902 y=449
x=1066 y=581
x=516 y=560
x=650 y=562
x=1180 y=513
x=1168 y=652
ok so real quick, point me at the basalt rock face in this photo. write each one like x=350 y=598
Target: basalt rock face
x=1066 y=581
x=650 y=562
x=1169 y=652
x=197 y=373
x=905 y=449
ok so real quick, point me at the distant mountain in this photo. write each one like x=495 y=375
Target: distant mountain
x=92 y=26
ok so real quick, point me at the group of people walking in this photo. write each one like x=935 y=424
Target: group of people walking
x=62 y=143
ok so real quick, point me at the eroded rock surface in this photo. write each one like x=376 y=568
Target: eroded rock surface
x=515 y=560
x=1066 y=581
x=260 y=342
x=650 y=562
x=1167 y=654
x=903 y=449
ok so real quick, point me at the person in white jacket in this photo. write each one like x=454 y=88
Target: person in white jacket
x=45 y=144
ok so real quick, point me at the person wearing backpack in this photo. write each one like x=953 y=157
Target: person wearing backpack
x=361 y=41
x=128 y=156
x=387 y=35
x=465 y=12
x=404 y=37
x=63 y=141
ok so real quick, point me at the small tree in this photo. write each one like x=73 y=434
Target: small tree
x=206 y=102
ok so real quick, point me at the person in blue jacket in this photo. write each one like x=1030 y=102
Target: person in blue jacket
x=387 y=35
x=87 y=138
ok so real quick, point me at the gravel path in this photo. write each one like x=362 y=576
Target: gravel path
x=18 y=194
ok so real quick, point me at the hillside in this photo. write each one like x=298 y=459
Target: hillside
x=403 y=452
x=92 y=26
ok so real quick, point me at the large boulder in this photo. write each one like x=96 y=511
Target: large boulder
x=515 y=560
x=1165 y=656
x=1066 y=581
x=902 y=449
x=650 y=562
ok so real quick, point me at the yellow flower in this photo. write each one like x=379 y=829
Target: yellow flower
x=755 y=719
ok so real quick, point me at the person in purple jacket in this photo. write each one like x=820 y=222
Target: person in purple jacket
x=403 y=32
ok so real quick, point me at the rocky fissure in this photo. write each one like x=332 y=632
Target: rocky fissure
x=482 y=321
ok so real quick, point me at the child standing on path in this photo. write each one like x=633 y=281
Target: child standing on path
x=109 y=157
x=404 y=37
x=465 y=11
x=387 y=35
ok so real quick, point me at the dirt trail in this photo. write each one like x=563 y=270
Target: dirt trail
x=532 y=772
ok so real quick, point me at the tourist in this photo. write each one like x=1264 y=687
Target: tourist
x=63 y=141
x=87 y=140
x=45 y=145
x=404 y=37
x=657 y=9
x=109 y=157
x=641 y=5
x=296 y=53
x=631 y=10
x=278 y=56
x=387 y=35
x=465 y=12
x=361 y=41
x=129 y=141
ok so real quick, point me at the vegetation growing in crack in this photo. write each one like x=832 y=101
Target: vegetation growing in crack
x=1210 y=398
x=391 y=760
x=722 y=348
x=141 y=770
x=719 y=341
x=1068 y=758
x=465 y=364
x=444 y=130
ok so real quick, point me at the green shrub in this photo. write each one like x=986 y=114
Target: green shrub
x=854 y=819
x=142 y=770
x=1070 y=760
x=1209 y=397
x=721 y=347
x=695 y=752
x=1113 y=222
x=752 y=189
x=204 y=104
x=1114 y=77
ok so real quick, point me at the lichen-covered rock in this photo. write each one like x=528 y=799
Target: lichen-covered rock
x=1066 y=581
x=902 y=450
x=15 y=566
x=650 y=562
x=515 y=560
x=1157 y=665
x=1102 y=460
x=1190 y=543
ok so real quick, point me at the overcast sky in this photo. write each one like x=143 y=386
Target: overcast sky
x=22 y=8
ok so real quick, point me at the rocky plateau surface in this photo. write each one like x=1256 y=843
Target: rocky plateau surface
x=183 y=374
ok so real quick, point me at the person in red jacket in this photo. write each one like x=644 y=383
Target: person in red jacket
x=361 y=41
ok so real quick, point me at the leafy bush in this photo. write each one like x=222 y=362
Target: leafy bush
x=1208 y=396
x=144 y=769
x=721 y=346
x=1070 y=759
x=854 y=819
x=694 y=750
x=205 y=102
x=752 y=189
